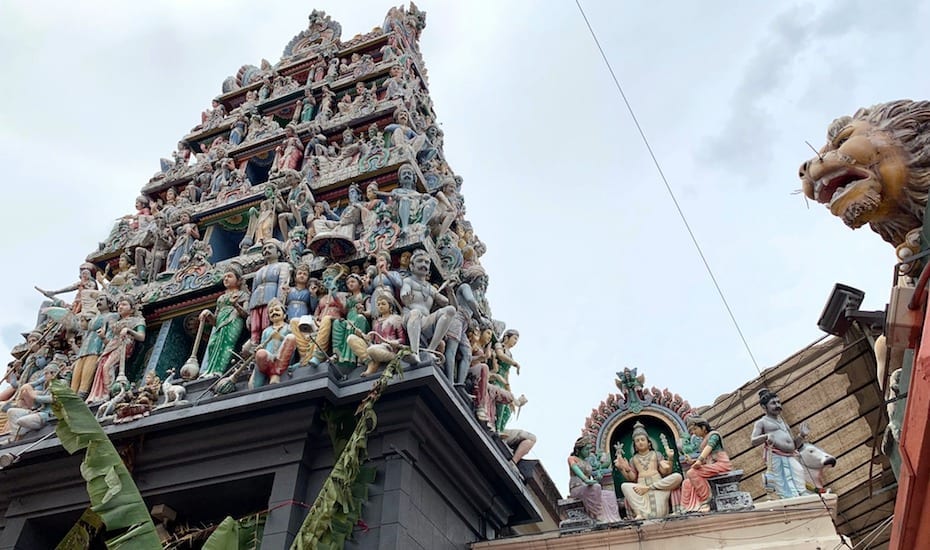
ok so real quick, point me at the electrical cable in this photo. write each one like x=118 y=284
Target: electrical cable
x=668 y=188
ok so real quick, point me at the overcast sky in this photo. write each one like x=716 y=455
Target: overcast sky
x=587 y=255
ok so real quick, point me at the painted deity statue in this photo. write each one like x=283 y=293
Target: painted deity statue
x=383 y=281
x=269 y=283
x=381 y=344
x=650 y=479
x=290 y=153
x=228 y=321
x=419 y=296
x=120 y=336
x=355 y=321
x=330 y=308
x=301 y=298
x=711 y=461
x=186 y=233
x=275 y=348
x=32 y=410
x=91 y=346
x=584 y=486
x=501 y=375
x=85 y=301
x=785 y=474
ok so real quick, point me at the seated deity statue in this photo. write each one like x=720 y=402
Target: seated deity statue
x=650 y=479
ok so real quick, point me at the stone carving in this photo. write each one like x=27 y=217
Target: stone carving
x=874 y=169
x=270 y=282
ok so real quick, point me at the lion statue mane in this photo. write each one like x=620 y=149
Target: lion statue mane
x=898 y=130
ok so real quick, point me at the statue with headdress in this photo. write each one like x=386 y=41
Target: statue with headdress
x=649 y=475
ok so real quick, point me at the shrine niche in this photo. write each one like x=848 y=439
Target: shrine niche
x=644 y=454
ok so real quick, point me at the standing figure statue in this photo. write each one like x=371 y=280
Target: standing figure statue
x=418 y=297
x=501 y=375
x=120 y=334
x=650 y=479
x=269 y=282
x=91 y=347
x=784 y=474
x=289 y=154
x=228 y=321
x=711 y=461
x=85 y=301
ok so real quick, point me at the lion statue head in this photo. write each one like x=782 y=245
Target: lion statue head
x=875 y=169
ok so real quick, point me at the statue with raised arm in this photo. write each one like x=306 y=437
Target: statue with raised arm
x=784 y=473
x=649 y=475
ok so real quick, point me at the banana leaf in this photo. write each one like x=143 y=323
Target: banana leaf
x=338 y=507
x=113 y=494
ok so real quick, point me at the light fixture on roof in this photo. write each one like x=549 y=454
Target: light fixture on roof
x=842 y=309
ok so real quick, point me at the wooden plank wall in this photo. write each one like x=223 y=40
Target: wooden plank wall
x=832 y=386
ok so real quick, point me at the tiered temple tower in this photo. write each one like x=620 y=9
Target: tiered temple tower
x=315 y=187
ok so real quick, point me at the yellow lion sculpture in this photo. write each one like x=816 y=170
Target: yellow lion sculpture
x=875 y=169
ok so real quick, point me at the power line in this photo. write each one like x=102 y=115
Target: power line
x=668 y=187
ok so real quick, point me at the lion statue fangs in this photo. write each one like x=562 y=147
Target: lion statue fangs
x=908 y=122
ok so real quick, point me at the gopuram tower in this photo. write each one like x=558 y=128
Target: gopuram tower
x=305 y=242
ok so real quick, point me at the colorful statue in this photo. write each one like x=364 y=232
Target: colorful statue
x=274 y=350
x=85 y=301
x=269 y=282
x=300 y=203
x=650 y=479
x=418 y=297
x=330 y=308
x=32 y=410
x=301 y=298
x=784 y=474
x=355 y=321
x=585 y=487
x=387 y=336
x=289 y=154
x=186 y=233
x=120 y=336
x=875 y=169
x=501 y=375
x=91 y=347
x=228 y=321
x=711 y=461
